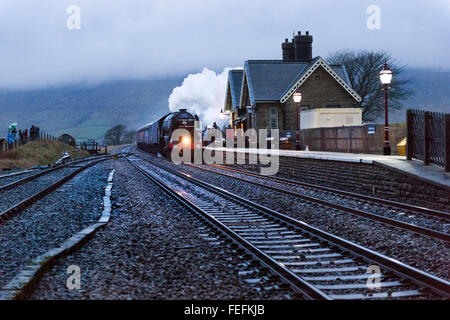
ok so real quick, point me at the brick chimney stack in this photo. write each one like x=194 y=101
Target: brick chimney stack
x=299 y=50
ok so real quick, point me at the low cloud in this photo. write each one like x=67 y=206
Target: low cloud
x=135 y=39
x=202 y=94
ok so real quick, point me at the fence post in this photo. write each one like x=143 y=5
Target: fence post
x=336 y=139
x=426 y=138
x=409 y=136
x=350 y=139
x=447 y=142
x=322 y=139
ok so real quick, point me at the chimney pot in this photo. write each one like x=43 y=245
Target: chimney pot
x=299 y=33
x=303 y=47
x=286 y=40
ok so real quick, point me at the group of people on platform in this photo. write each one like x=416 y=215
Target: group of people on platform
x=24 y=136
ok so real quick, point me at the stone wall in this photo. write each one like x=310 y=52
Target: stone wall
x=318 y=91
x=369 y=179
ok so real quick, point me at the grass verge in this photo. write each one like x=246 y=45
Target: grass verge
x=37 y=153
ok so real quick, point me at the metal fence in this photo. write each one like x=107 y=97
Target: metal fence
x=428 y=137
x=354 y=139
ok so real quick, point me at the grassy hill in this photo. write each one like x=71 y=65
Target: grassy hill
x=87 y=112
x=41 y=152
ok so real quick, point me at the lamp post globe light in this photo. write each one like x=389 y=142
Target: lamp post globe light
x=297 y=99
x=386 y=78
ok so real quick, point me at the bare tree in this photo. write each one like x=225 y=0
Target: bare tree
x=114 y=135
x=363 y=68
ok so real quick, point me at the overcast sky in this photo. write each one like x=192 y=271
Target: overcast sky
x=144 y=38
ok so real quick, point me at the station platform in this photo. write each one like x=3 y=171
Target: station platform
x=430 y=174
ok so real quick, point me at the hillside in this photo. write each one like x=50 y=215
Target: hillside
x=87 y=112
x=431 y=92
x=41 y=152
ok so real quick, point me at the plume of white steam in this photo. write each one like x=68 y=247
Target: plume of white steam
x=202 y=94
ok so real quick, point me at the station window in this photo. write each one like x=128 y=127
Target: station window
x=273 y=118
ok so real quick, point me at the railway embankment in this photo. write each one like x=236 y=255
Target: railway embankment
x=37 y=153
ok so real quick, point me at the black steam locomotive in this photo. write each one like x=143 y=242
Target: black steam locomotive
x=157 y=136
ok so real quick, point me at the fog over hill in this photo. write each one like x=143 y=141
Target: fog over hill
x=431 y=92
x=87 y=112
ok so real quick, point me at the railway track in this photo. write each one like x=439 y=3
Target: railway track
x=416 y=219
x=21 y=181
x=313 y=262
x=20 y=205
x=4 y=177
x=368 y=199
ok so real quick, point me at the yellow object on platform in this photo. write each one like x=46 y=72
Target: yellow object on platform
x=401 y=147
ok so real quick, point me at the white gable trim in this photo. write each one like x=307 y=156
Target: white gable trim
x=245 y=81
x=226 y=96
x=318 y=63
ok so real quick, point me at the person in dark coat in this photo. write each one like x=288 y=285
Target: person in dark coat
x=21 y=136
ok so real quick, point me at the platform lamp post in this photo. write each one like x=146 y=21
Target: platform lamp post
x=297 y=100
x=386 y=78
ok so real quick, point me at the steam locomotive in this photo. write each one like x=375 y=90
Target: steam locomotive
x=156 y=137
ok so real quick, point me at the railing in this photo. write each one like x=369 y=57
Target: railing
x=90 y=146
x=428 y=137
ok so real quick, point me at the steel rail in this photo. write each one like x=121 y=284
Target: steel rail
x=371 y=216
x=394 y=204
x=8 y=213
x=419 y=277
x=14 y=174
x=22 y=181
x=297 y=283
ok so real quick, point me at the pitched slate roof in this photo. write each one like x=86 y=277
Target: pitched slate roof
x=338 y=72
x=235 y=82
x=276 y=80
x=268 y=79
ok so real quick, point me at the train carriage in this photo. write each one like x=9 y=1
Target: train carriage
x=157 y=136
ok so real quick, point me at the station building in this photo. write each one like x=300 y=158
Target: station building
x=259 y=96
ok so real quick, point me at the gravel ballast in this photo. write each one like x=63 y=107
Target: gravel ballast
x=153 y=248
x=10 y=178
x=427 y=254
x=9 y=198
x=51 y=220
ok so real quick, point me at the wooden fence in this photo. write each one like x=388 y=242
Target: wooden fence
x=428 y=137
x=354 y=139
x=5 y=147
x=90 y=146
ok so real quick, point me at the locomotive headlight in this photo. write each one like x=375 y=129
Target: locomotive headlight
x=186 y=140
